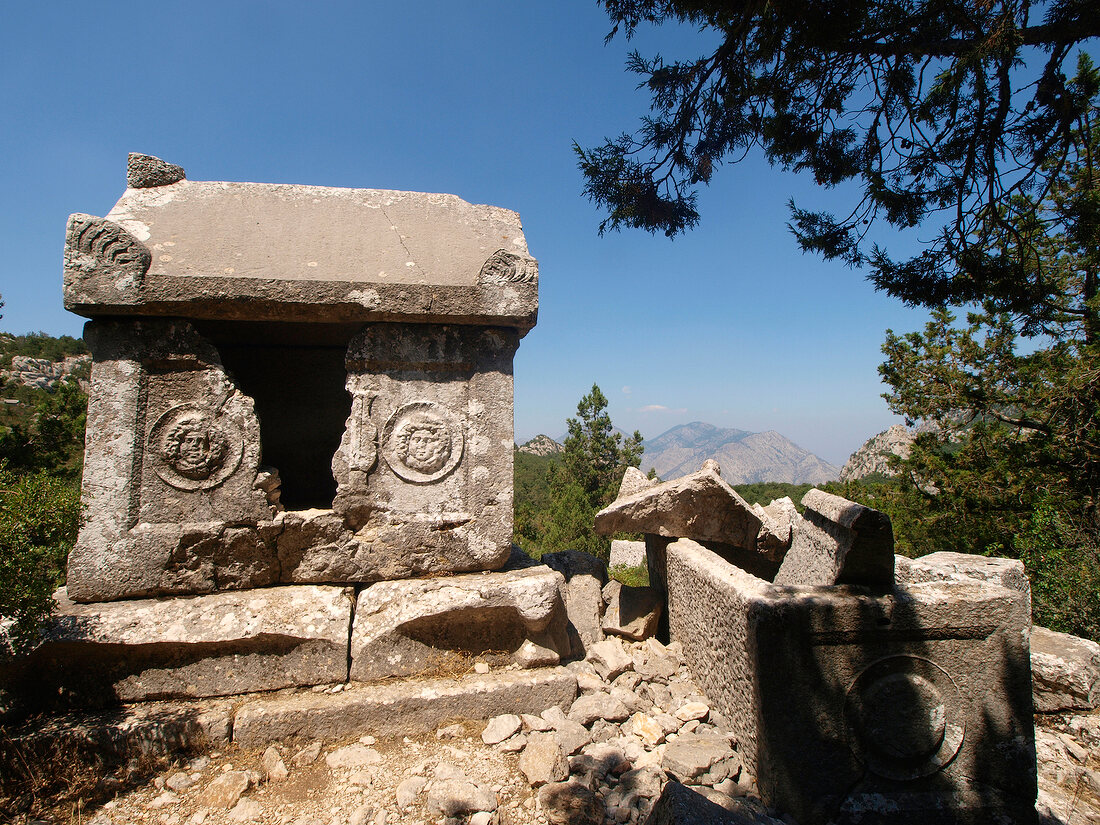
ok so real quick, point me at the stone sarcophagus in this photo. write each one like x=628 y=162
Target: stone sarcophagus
x=294 y=384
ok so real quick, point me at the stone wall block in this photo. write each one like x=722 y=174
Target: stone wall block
x=919 y=697
x=170 y=472
x=191 y=646
x=428 y=626
x=839 y=542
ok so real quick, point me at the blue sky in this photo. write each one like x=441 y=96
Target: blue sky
x=729 y=324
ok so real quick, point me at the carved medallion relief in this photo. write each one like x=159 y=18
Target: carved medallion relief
x=904 y=717
x=422 y=442
x=194 y=447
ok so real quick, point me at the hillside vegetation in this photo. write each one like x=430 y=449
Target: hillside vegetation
x=41 y=458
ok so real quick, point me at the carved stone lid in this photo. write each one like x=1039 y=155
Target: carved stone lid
x=256 y=251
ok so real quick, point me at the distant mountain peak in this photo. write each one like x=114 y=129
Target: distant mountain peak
x=746 y=457
x=541 y=445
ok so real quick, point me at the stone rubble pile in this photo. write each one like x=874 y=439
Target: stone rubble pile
x=639 y=739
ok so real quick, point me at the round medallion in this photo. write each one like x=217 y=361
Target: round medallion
x=904 y=717
x=422 y=442
x=193 y=448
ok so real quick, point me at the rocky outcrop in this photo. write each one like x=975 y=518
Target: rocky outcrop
x=874 y=456
x=541 y=445
x=41 y=373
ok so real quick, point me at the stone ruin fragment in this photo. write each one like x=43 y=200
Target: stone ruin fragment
x=294 y=384
x=296 y=392
x=862 y=686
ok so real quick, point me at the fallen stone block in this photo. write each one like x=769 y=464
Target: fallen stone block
x=699 y=506
x=680 y=805
x=428 y=626
x=839 y=542
x=399 y=708
x=919 y=696
x=777 y=521
x=189 y=646
x=1065 y=671
x=585 y=575
x=632 y=612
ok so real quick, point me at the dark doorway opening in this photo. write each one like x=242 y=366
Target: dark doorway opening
x=295 y=373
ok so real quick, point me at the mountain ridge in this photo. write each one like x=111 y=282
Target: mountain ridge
x=745 y=457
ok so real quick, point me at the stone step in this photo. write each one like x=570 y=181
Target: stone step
x=400 y=708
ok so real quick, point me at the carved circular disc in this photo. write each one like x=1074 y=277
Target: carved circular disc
x=904 y=717
x=194 y=448
x=422 y=442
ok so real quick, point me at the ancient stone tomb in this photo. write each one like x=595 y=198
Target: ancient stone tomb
x=293 y=384
x=862 y=686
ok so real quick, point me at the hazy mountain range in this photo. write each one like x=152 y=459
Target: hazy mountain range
x=745 y=457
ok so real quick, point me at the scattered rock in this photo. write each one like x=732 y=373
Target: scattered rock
x=501 y=728
x=609 y=658
x=689 y=756
x=353 y=756
x=571 y=736
x=542 y=761
x=179 y=781
x=224 y=791
x=409 y=790
x=246 y=810
x=592 y=706
x=307 y=755
x=274 y=768
x=457 y=797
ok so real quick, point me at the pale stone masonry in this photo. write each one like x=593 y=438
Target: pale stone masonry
x=294 y=384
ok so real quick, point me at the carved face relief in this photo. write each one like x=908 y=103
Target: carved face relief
x=422 y=442
x=193 y=448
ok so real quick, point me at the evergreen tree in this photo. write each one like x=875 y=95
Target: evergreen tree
x=587 y=477
x=1011 y=463
x=941 y=110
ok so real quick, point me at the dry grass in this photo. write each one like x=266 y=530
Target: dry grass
x=58 y=777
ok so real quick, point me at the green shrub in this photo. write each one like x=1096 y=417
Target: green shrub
x=39 y=519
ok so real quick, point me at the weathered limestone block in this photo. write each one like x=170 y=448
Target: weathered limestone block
x=426 y=626
x=634 y=481
x=424 y=470
x=192 y=646
x=1065 y=671
x=400 y=708
x=947 y=566
x=839 y=542
x=777 y=521
x=917 y=699
x=632 y=612
x=276 y=252
x=585 y=576
x=170 y=470
x=626 y=553
x=699 y=506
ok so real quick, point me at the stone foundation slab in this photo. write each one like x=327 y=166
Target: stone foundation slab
x=400 y=708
